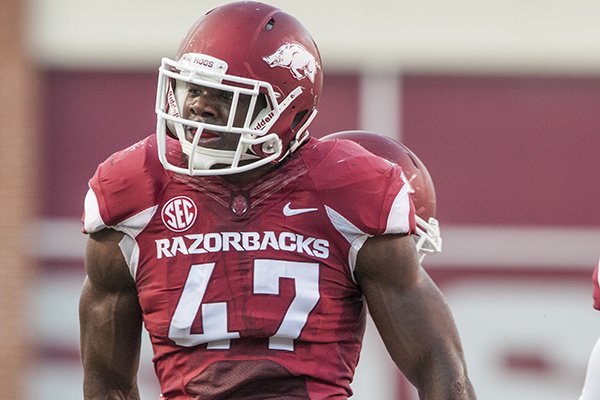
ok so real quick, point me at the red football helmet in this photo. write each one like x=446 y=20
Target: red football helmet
x=428 y=237
x=247 y=50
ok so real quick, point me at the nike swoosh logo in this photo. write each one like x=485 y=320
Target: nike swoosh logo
x=288 y=212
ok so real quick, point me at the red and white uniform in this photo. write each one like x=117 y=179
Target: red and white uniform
x=248 y=292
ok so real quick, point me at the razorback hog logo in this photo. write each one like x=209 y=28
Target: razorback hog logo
x=297 y=59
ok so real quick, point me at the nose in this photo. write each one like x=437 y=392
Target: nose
x=204 y=105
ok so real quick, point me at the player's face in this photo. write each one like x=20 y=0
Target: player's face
x=213 y=106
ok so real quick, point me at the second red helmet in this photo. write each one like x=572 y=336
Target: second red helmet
x=428 y=236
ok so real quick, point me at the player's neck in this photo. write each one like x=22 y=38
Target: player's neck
x=253 y=175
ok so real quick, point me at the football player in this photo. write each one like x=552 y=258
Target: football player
x=247 y=249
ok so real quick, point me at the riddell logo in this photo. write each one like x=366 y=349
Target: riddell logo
x=179 y=213
x=263 y=122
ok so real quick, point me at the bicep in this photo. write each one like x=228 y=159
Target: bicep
x=408 y=309
x=110 y=318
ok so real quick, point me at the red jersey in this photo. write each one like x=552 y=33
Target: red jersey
x=248 y=292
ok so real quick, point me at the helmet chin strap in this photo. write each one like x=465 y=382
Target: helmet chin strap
x=301 y=135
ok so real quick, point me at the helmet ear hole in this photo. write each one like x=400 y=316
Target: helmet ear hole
x=269 y=25
x=297 y=118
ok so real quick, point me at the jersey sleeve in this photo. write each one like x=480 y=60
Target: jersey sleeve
x=124 y=189
x=364 y=192
x=363 y=195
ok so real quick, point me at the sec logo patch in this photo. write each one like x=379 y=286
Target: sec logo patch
x=179 y=213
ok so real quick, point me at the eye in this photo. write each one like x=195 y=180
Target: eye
x=226 y=96
x=194 y=91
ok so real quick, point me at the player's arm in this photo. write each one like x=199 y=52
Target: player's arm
x=413 y=318
x=110 y=322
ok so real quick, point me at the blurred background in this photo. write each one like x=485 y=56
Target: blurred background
x=501 y=100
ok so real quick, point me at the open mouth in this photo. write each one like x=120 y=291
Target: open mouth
x=206 y=136
x=213 y=139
